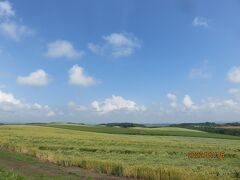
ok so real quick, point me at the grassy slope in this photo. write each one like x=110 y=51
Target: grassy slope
x=135 y=156
x=163 y=131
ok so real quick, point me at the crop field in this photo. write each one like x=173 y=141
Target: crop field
x=163 y=131
x=127 y=152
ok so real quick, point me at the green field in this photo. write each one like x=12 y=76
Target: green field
x=163 y=131
x=131 y=152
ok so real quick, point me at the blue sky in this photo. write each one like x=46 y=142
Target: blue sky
x=105 y=61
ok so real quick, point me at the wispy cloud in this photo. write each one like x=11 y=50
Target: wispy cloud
x=6 y=9
x=201 y=72
x=10 y=26
x=15 y=31
x=200 y=22
x=63 y=49
x=116 y=45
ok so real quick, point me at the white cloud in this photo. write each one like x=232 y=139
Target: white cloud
x=8 y=98
x=63 y=49
x=116 y=103
x=188 y=103
x=220 y=105
x=15 y=31
x=96 y=106
x=200 y=22
x=6 y=9
x=37 y=78
x=37 y=106
x=16 y=110
x=173 y=98
x=116 y=45
x=78 y=77
x=10 y=25
x=116 y=108
x=234 y=75
x=118 y=39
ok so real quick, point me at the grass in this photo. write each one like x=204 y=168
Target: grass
x=9 y=175
x=16 y=166
x=137 y=156
x=163 y=131
x=18 y=157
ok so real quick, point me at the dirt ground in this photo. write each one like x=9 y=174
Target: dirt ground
x=41 y=170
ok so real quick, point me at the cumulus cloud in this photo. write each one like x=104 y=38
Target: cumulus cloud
x=6 y=9
x=173 y=98
x=209 y=109
x=219 y=104
x=78 y=77
x=10 y=25
x=200 y=22
x=63 y=49
x=119 y=109
x=188 y=103
x=37 y=78
x=116 y=45
x=9 y=102
x=116 y=103
x=234 y=75
x=8 y=98
x=16 y=110
x=213 y=104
